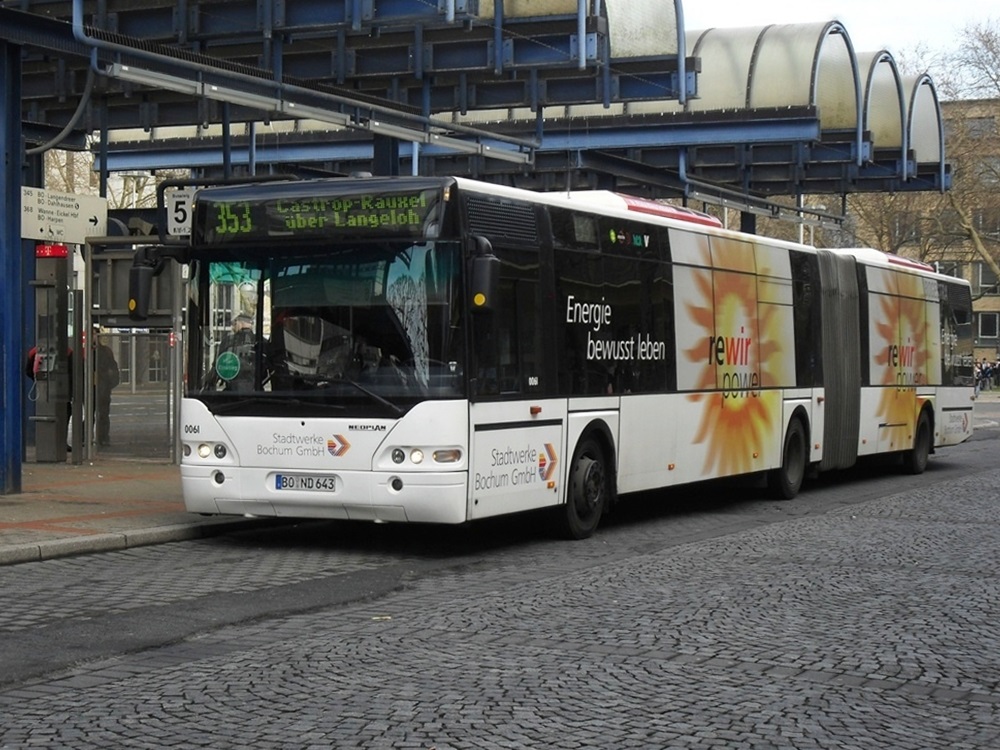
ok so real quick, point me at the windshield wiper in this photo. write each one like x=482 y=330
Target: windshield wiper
x=323 y=383
x=398 y=411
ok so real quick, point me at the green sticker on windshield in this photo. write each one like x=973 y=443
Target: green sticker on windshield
x=227 y=365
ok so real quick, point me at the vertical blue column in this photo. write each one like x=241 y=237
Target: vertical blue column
x=12 y=282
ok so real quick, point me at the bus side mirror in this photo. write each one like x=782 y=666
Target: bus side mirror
x=140 y=287
x=485 y=277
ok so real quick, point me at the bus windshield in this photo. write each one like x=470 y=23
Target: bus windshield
x=370 y=328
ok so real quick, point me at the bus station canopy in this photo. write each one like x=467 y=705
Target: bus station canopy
x=539 y=93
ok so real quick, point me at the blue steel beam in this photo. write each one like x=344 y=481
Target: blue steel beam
x=231 y=83
x=230 y=18
x=181 y=157
x=620 y=85
x=663 y=134
x=539 y=40
x=737 y=169
x=651 y=135
x=443 y=52
x=396 y=65
x=12 y=279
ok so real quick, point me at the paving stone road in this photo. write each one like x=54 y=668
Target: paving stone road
x=860 y=621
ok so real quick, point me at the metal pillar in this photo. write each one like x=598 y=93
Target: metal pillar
x=386 y=160
x=12 y=281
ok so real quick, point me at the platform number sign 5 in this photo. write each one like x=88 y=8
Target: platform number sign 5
x=179 y=205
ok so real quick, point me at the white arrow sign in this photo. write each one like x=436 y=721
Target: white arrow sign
x=62 y=217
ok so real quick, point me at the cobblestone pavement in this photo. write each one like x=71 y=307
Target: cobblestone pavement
x=871 y=624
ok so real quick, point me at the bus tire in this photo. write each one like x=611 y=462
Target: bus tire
x=915 y=459
x=589 y=491
x=786 y=480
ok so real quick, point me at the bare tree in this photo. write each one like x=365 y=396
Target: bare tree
x=69 y=172
x=976 y=61
x=962 y=224
x=974 y=143
x=73 y=172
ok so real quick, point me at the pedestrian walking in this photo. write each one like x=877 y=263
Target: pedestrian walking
x=106 y=377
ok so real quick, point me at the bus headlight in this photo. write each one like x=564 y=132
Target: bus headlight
x=424 y=457
x=220 y=450
x=204 y=450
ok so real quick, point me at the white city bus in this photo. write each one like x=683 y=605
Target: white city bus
x=441 y=350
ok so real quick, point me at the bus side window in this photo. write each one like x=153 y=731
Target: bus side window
x=806 y=316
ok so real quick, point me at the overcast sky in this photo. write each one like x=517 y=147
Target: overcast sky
x=896 y=25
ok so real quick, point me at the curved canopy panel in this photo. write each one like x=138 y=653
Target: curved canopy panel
x=836 y=81
x=923 y=120
x=884 y=107
x=629 y=22
x=794 y=65
x=726 y=60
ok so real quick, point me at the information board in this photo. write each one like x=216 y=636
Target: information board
x=51 y=216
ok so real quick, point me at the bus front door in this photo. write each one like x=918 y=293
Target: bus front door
x=517 y=456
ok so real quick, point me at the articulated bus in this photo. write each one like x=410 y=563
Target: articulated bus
x=414 y=349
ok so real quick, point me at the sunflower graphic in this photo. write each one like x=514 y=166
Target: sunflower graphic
x=736 y=349
x=899 y=352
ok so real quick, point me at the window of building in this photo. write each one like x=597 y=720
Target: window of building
x=987 y=221
x=951 y=222
x=906 y=227
x=987 y=170
x=981 y=127
x=985 y=280
x=950 y=268
x=989 y=325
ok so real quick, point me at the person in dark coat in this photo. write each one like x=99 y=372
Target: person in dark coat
x=106 y=377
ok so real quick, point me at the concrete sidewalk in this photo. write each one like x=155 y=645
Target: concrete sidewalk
x=107 y=504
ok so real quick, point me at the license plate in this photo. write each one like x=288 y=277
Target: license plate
x=307 y=482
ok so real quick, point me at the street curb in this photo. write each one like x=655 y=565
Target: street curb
x=110 y=542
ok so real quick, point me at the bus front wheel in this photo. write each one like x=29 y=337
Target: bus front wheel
x=786 y=480
x=588 y=491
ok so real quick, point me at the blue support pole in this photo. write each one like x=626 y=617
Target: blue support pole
x=682 y=93
x=12 y=281
x=498 y=36
x=104 y=149
x=227 y=142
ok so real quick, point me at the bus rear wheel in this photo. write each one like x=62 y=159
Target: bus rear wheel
x=786 y=480
x=915 y=459
x=589 y=490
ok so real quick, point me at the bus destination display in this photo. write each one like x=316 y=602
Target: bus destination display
x=234 y=220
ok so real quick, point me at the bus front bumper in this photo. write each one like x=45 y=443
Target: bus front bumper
x=417 y=497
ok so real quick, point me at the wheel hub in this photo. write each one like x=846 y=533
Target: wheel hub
x=590 y=475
